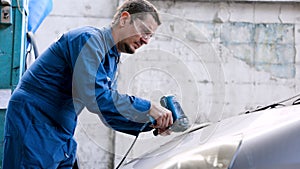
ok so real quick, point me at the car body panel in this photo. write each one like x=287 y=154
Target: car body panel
x=269 y=140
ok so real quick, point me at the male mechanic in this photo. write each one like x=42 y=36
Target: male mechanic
x=77 y=71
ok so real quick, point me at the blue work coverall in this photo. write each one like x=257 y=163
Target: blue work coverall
x=77 y=71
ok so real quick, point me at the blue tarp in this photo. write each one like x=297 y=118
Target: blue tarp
x=38 y=10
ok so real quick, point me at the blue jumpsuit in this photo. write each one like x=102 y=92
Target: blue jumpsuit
x=77 y=71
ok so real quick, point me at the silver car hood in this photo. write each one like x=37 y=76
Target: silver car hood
x=269 y=140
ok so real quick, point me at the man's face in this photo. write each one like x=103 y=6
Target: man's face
x=138 y=33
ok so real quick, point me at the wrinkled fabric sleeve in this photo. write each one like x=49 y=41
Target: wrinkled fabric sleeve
x=128 y=114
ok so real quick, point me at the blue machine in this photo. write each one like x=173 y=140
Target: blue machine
x=12 y=42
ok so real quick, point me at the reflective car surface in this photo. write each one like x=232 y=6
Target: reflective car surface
x=265 y=139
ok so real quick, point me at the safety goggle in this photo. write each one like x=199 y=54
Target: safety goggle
x=142 y=29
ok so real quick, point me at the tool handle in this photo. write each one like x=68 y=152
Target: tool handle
x=155 y=132
x=153 y=122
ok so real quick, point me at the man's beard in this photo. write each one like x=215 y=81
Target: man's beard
x=128 y=49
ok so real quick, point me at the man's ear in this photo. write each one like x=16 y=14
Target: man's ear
x=125 y=17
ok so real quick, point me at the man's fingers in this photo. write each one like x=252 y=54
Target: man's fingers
x=164 y=121
x=170 y=119
x=164 y=132
x=162 y=116
x=158 y=123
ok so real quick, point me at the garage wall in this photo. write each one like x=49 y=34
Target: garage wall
x=219 y=58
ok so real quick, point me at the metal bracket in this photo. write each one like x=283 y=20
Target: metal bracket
x=6 y=12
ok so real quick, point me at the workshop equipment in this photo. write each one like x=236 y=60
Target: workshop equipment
x=180 y=120
x=12 y=42
x=13 y=23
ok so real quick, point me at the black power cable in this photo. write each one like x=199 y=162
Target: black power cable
x=31 y=38
x=123 y=159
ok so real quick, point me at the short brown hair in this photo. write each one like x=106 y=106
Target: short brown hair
x=138 y=8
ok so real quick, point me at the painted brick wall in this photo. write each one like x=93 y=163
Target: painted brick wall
x=219 y=58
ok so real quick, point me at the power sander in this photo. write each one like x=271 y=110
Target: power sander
x=180 y=120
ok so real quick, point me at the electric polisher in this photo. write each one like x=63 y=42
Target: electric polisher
x=180 y=120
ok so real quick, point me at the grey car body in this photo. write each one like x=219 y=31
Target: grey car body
x=266 y=139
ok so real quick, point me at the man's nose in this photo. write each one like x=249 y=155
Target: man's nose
x=144 y=41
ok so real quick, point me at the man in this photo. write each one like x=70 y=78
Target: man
x=77 y=71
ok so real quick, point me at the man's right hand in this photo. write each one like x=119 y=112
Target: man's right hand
x=162 y=116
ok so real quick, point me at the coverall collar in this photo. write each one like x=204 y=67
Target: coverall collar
x=113 y=51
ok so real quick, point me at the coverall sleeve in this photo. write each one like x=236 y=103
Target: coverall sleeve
x=92 y=87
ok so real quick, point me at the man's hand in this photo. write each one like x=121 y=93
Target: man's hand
x=164 y=132
x=162 y=116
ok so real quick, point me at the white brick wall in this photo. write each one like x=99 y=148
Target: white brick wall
x=68 y=14
x=95 y=142
x=219 y=58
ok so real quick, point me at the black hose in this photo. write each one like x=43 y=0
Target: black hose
x=127 y=152
x=30 y=37
x=123 y=159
